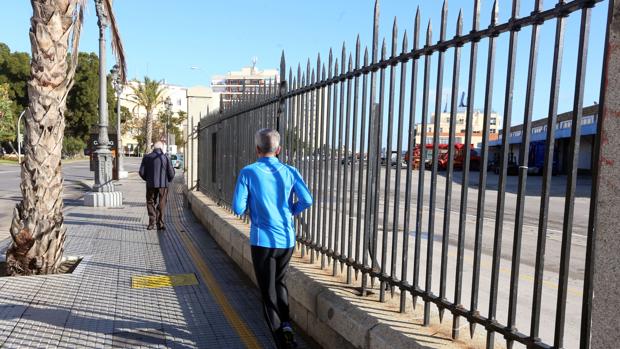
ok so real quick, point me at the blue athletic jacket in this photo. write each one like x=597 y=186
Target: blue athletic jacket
x=265 y=189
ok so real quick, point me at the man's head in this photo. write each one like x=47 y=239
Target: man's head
x=267 y=142
x=158 y=145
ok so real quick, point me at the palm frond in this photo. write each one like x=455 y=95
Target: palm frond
x=117 y=43
x=148 y=94
x=78 y=20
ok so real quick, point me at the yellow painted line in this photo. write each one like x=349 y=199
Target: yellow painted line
x=236 y=322
x=157 y=281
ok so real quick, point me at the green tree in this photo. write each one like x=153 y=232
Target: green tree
x=126 y=115
x=15 y=71
x=72 y=146
x=148 y=95
x=7 y=116
x=83 y=100
x=179 y=140
x=174 y=126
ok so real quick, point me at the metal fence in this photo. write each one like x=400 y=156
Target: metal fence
x=335 y=123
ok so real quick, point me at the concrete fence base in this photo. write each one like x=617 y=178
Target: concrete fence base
x=325 y=308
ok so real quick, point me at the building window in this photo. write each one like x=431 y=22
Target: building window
x=492 y=130
x=493 y=121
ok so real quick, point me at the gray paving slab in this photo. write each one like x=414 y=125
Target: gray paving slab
x=96 y=306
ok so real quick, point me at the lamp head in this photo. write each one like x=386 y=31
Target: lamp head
x=114 y=72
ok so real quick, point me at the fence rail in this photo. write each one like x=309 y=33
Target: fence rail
x=340 y=132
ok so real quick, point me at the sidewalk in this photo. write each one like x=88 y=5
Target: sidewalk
x=97 y=307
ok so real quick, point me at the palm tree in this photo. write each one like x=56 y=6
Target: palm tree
x=149 y=95
x=37 y=229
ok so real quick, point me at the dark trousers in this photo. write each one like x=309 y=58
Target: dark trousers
x=270 y=266
x=156 y=205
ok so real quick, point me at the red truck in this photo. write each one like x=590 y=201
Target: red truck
x=459 y=158
x=442 y=161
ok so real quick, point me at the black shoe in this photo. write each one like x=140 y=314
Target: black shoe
x=150 y=227
x=287 y=336
x=161 y=227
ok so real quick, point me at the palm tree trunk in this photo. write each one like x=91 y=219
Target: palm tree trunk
x=37 y=227
x=149 y=131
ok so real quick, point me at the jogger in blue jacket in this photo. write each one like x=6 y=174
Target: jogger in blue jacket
x=266 y=190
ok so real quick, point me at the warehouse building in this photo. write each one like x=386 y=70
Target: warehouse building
x=538 y=137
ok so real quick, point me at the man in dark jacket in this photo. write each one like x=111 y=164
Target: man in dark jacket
x=157 y=170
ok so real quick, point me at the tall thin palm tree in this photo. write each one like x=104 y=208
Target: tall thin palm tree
x=37 y=229
x=148 y=95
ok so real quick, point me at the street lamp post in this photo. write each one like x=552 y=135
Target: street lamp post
x=19 y=138
x=103 y=193
x=168 y=116
x=103 y=173
x=118 y=88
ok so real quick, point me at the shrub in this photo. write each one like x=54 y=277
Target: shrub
x=72 y=146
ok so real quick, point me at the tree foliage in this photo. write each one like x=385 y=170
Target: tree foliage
x=83 y=100
x=82 y=115
x=7 y=115
x=179 y=140
x=15 y=71
x=168 y=120
x=72 y=146
x=148 y=95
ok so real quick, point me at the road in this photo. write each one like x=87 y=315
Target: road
x=527 y=252
x=74 y=173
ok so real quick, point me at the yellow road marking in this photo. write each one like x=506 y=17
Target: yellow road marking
x=236 y=322
x=157 y=281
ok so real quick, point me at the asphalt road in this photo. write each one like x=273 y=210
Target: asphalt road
x=529 y=227
x=74 y=173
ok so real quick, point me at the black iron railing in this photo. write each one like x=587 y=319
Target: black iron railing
x=339 y=131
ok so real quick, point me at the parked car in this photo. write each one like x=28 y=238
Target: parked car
x=393 y=159
x=349 y=160
x=177 y=160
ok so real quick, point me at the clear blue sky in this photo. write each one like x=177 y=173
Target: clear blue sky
x=164 y=39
